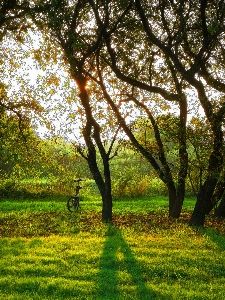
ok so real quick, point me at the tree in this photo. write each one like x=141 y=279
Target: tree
x=126 y=56
x=190 y=34
x=176 y=38
x=71 y=27
x=19 y=147
x=17 y=109
x=163 y=48
x=188 y=38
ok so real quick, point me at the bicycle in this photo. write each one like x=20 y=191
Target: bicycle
x=73 y=202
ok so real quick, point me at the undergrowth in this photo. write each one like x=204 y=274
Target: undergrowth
x=44 y=223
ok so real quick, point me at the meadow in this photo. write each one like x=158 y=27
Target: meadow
x=48 y=253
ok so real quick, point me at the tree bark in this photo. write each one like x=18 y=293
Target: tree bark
x=203 y=202
x=220 y=211
x=107 y=204
x=217 y=195
x=175 y=205
x=104 y=187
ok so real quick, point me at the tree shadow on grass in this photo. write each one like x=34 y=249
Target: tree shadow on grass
x=215 y=237
x=116 y=258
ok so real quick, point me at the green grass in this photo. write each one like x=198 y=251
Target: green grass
x=94 y=203
x=48 y=253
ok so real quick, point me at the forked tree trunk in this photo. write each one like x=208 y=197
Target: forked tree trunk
x=92 y=131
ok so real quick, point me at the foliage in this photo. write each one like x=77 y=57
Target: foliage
x=39 y=168
x=134 y=184
x=14 y=132
x=200 y=142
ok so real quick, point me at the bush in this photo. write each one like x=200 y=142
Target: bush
x=11 y=188
x=135 y=185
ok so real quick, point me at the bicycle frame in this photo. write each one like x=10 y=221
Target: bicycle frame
x=73 y=202
x=78 y=187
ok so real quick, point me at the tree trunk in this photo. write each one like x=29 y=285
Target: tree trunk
x=175 y=205
x=198 y=215
x=183 y=154
x=220 y=211
x=104 y=187
x=92 y=131
x=203 y=202
x=107 y=197
x=180 y=188
x=218 y=194
x=107 y=207
x=204 y=198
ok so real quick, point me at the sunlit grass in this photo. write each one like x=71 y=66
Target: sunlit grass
x=113 y=264
x=52 y=254
x=49 y=268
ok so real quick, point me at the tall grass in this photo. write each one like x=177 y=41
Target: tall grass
x=48 y=253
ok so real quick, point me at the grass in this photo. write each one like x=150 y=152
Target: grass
x=92 y=203
x=47 y=253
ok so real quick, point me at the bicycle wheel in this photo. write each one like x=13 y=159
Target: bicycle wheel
x=73 y=203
